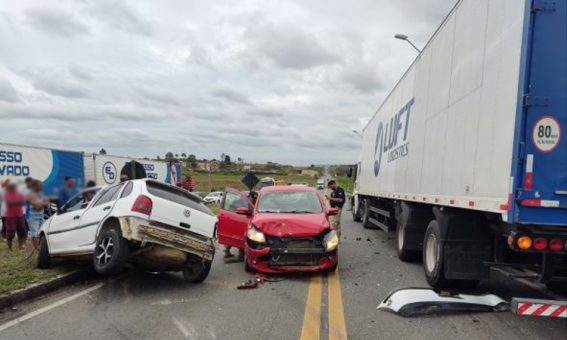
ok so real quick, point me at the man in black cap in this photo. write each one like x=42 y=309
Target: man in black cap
x=336 y=200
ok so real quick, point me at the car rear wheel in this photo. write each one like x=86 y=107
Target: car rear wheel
x=111 y=253
x=43 y=257
x=196 y=272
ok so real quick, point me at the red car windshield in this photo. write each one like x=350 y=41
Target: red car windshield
x=290 y=202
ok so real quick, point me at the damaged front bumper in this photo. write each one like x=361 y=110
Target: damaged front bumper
x=153 y=235
x=286 y=260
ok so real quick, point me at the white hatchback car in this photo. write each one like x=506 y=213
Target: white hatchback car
x=161 y=227
x=213 y=197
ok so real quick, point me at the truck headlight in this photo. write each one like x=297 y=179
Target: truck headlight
x=331 y=241
x=255 y=235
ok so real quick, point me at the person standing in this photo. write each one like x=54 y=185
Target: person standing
x=173 y=172
x=68 y=191
x=336 y=200
x=15 y=223
x=38 y=202
x=3 y=185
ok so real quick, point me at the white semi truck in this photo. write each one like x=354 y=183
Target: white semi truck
x=467 y=157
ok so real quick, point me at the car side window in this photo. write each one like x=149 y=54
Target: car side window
x=233 y=201
x=127 y=190
x=109 y=195
x=80 y=201
x=73 y=204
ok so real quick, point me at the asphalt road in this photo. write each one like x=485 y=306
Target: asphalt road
x=138 y=305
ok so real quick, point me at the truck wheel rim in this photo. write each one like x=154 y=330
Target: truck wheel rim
x=401 y=235
x=431 y=252
x=104 y=250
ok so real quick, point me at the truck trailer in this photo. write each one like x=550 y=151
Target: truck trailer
x=466 y=158
x=106 y=169
x=51 y=166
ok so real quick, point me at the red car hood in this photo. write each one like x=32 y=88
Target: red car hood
x=285 y=225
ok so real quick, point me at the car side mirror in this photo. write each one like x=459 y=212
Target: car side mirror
x=332 y=211
x=243 y=211
x=349 y=173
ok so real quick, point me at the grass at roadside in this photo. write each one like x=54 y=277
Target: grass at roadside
x=345 y=183
x=17 y=268
x=214 y=208
x=219 y=181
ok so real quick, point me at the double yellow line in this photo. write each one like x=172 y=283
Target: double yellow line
x=312 y=317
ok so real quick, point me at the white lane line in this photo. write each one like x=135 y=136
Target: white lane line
x=48 y=307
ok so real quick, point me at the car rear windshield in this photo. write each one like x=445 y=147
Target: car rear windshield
x=305 y=202
x=176 y=195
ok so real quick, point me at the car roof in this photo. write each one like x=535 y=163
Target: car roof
x=288 y=188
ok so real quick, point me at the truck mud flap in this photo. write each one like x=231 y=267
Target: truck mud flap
x=409 y=302
x=465 y=259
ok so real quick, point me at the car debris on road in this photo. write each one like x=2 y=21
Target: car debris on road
x=409 y=302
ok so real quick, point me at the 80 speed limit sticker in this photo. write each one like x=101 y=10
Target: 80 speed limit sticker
x=546 y=134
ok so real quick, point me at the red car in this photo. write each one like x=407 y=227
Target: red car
x=287 y=230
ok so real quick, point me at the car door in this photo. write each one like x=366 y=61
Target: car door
x=232 y=226
x=66 y=220
x=85 y=234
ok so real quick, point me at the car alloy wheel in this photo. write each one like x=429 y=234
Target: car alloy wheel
x=104 y=251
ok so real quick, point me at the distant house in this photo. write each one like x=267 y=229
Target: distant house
x=305 y=172
x=309 y=172
x=212 y=166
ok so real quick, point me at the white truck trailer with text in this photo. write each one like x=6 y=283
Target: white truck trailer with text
x=467 y=156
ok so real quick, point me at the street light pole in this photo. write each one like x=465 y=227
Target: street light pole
x=405 y=37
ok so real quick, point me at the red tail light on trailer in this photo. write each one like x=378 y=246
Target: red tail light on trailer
x=142 y=205
x=540 y=243
x=556 y=244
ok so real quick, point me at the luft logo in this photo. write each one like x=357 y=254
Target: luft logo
x=109 y=172
x=387 y=137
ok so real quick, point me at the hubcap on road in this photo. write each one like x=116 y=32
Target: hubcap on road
x=104 y=250
x=431 y=252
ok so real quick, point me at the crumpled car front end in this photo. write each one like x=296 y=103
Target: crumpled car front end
x=293 y=254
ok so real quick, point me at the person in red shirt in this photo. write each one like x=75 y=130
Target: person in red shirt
x=15 y=223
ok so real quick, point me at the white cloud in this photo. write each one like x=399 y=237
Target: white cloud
x=261 y=79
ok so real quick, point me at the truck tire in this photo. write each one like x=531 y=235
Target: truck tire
x=111 y=253
x=196 y=272
x=355 y=211
x=433 y=256
x=365 y=214
x=404 y=254
x=43 y=257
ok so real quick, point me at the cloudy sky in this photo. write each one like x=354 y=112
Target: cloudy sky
x=283 y=81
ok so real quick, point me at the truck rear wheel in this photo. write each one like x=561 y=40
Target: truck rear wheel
x=404 y=254
x=365 y=214
x=433 y=256
x=355 y=211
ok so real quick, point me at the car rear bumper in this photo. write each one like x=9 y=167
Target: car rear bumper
x=274 y=261
x=144 y=231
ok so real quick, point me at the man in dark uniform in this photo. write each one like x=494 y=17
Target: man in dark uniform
x=336 y=200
